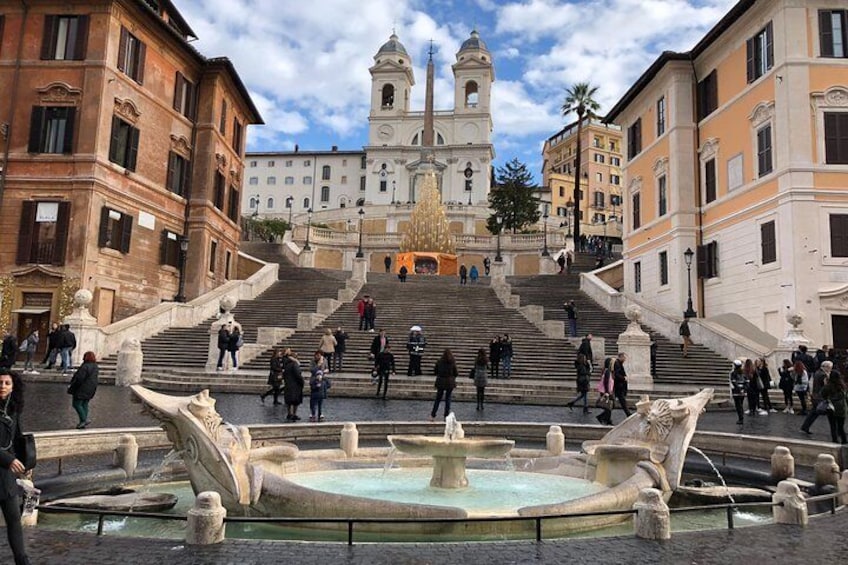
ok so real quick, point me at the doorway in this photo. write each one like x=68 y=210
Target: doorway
x=840 y=332
x=32 y=320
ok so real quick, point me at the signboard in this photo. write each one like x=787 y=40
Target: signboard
x=47 y=212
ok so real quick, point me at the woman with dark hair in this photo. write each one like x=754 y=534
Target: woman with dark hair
x=446 y=373
x=802 y=383
x=481 y=365
x=11 y=407
x=83 y=386
x=584 y=370
x=293 y=384
x=761 y=367
x=787 y=385
x=275 y=377
x=834 y=392
x=753 y=379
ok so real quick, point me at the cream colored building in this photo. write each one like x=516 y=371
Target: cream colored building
x=738 y=150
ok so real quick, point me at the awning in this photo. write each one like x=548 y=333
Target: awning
x=31 y=310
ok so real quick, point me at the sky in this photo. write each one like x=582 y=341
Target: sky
x=306 y=63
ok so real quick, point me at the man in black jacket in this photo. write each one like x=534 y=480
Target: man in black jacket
x=619 y=376
x=586 y=349
x=66 y=341
x=9 y=350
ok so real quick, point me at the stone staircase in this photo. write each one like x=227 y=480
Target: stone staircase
x=703 y=366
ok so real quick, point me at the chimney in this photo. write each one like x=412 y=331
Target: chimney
x=296 y=147
x=335 y=148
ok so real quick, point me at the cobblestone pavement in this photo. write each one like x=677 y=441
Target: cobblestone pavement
x=49 y=409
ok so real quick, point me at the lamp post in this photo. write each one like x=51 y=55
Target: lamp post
x=308 y=229
x=498 y=258
x=569 y=206
x=256 y=210
x=545 y=230
x=180 y=297
x=394 y=187
x=359 y=253
x=290 y=206
x=687 y=256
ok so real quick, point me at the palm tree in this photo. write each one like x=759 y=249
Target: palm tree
x=579 y=98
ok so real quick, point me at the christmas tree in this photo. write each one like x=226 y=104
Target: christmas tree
x=428 y=225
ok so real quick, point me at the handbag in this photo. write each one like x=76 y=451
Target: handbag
x=824 y=406
x=604 y=402
x=25 y=450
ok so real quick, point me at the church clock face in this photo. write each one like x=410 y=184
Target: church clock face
x=385 y=131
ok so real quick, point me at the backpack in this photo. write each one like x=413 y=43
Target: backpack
x=240 y=341
x=24 y=345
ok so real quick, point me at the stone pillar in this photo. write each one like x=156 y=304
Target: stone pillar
x=126 y=454
x=793 y=338
x=782 y=464
x=498 y=273
x=84 y=326
x=226 y=304
x=794 y=508
x=637 y=345
x=547 y=265
x=555 y=440
x=826 y=471
x=350 y=439
x=205 y=521
x=30 y=499
x=360 y=269
x=130 y=362
x=843 y=487
x=653 y=519
x=306 y=258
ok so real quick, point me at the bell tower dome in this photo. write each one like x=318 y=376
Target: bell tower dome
x=473 y=77
x=391 y=79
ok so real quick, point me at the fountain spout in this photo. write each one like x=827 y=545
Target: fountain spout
x=453 y=429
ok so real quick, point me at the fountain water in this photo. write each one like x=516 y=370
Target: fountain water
x=715 y=470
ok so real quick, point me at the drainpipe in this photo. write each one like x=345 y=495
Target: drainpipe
x=188 y=191
x=13 y=101
x=699 y=217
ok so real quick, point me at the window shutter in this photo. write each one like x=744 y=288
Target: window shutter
x=104 y=227
x=60 y=243
x=769 y=46
x=825 y=33
x=710 y=180
x=223 y=124
x=48 y=41
x=178 y=89
x=82 y=38
x=113 y=146
x=140 y=54
x=701 y=261
x=750 y=61
x=170 y=182
x=713 y=91
x=26 y=232
x=70 y=115
x=126 y=232
x=2 y=22
x=122 y=50
x=839 y=235
x=132 y=150
x=163 y=248
x=35 y=124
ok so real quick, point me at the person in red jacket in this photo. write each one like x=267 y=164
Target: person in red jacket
x=360 y=307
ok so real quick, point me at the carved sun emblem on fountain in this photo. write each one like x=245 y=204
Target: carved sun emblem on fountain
x=658 y=422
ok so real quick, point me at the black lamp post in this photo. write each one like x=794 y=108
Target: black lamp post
x=180 y=297
x=394 y=187
x=569 y=206
x=687 y=256
x=545 y=228
x=290 y=205
x=256 y=210
x=498 y=258
x=308 y=229
x=359 y=253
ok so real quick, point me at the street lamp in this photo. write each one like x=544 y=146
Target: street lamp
x=498 y=258
x=545 y=228
x=180 y=297
x=569 y=206
x=290 y=206
x=469 y=173
x=256 y=210
x=308 y=229
x=687 y=256
x=394 y=187
x=359 y=253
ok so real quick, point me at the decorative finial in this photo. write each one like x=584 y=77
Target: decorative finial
x=431 y=50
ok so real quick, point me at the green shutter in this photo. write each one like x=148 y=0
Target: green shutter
x=70 y=119
x=35 y=125
x=132 y=150
x=126 y=232
x=103 y=237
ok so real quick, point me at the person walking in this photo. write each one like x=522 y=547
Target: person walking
x=801 y=386
x=11 y=466
x=360 y=308
x=583 y=370
x=223 y=344
x=378 y=344
x=686 y=336
x=52 y=348
x=571 y=316
x=753 y=388
x=738 y=390
x=606 y=392
x=384 y=364
x=816 y=405
x=834 y=393
x=787 y=385
x=473 y=274
x=495 y=356
x=507 y=353
x=234 y=343
x=318 y=384
x=765 y=382
x=402 y=273
x=619 y=377
x=293 y=384
x=415 y=345
x=463 y=274
x=388 y=263
x=31 y=344
x=275 y=377
x=83 y=387
x=479 y=374
x=370 y=314
x=586 y=349
x=487 y=265
x=446 y=373
x=327 y=346
x=561 y=262
x=341 y=347
x=67 y=343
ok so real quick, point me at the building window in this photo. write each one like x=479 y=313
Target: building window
x=387 y=97
x=272 y=163
x=599 y=158
x=325 y=194
x=307 y=163
x=710 y=180
x=307 y=180
x=289 y=202
x=707 y=95
x=637 y=213
x=708 y=260
x=832 y=33
x=65 y=38
x=362 y=162
x=836 y=138
x=270 y=204
x=760 y=53
x=131 y=52
x=123 y=149
x=362 y=182
x=115 y=230
x=383 y=186
x=237 y=134
x=233 y=208
x=839 y=235
x=253 y=202
x=562 y=192
x=222 y=124
x=325 y=172
x=184 y=96
x=599 y=177
x=596 y=142
x=637 y=276
x=289 y=163
x=615 y=179
x=768 y=243
x=615 y=161
x=177 y=171
x=253 y=164
x=599 y=199
x=305 y=203
x=220 y=189
x=634 y=139
x=663 y=268
x=52 y=129
x=472 y=94
x=764 y=156
x=289 y=180
x=661 y=116
x=662 y=196
x=612 y=146
x=344 y=179
x=253 y=181
x=213 y=254
x=43 y=232
x=272 y=181
x=344 y=162
x=169 y=250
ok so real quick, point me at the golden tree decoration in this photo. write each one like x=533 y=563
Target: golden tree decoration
x=70 y=285
x=6 y=284
x=428 y=225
